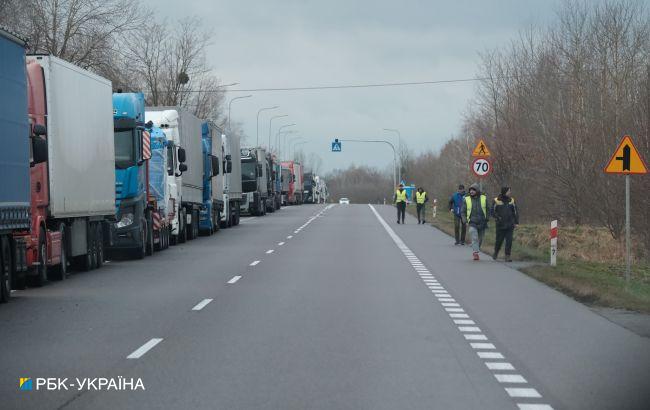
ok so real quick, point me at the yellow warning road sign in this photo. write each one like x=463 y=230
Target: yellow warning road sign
x=626 y=159
x=481 y=150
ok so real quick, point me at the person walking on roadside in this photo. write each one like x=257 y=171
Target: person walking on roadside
x=421 y=198
x=475 y=214
x=506 y=217
x=400 y=202
x=455 y=205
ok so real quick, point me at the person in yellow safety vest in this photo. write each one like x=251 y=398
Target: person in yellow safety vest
x=421 y=198
x=400 y=202
x=475 y=214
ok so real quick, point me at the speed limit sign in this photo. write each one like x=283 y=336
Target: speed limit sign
x=481 y=167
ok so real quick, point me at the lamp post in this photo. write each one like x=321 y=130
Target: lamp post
x=230 y=107
x=257 y=139
x=283 y=133
x=399 y=148
x=283 y=127
x=270 y=122
x=288 y=144
x=293 y=149
x=381 y=142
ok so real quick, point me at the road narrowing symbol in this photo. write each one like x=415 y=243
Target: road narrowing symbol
x=481 y=150
x=336 y=145
x=481 y=167
x=626 y=159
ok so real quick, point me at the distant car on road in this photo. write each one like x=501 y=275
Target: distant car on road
x=344 y=201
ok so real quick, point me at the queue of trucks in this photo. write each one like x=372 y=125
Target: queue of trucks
x=91 y=174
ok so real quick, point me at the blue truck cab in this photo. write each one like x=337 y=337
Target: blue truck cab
x=132 y=232
x=210 y=214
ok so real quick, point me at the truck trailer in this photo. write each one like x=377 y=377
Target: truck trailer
x=288 y=178
x=15 y=161
x=73 y=192
x=232 y=181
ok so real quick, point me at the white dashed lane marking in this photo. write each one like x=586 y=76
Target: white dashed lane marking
x=140 y=351
x=234 y=279
x=202 y=304
x=280 y=243
x=467 y=327
x=269 y=251
x=254 y=263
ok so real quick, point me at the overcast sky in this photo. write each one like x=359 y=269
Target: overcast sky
x=268 y=44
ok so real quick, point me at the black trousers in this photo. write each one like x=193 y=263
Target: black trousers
x=460 y=229
x=401 y=210
x=420 y=209
x=501 y=235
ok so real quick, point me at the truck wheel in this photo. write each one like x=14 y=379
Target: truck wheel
x=100 y=245
x=237 y=215
x=142 y=249
x=41 y=272
x=5 y=270
x=93 y=243
x=182 y=225
x=195 y=224
x=60 y=272
x=150 y=244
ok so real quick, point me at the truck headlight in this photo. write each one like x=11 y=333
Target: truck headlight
x=125 y=220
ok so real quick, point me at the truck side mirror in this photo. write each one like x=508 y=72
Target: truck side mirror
x=260 y=170
x=39 y=129
x=39 y=150
x=215 y=165
x=228 y=166
x=228 y=157
x=181 y=155
x=182 y=167
x=146 y=142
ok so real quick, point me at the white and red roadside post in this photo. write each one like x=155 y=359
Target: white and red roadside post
x=554 y=242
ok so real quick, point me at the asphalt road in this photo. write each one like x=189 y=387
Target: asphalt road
x=317 y=307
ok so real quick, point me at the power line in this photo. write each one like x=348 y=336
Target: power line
x=331 y=87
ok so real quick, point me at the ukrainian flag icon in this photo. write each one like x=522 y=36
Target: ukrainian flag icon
x=25 y=383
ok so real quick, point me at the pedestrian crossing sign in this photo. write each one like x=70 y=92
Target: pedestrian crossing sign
x=626 y=159
x=336 y=145
x=481 y=150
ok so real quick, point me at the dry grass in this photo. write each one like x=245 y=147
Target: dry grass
x=590 y=263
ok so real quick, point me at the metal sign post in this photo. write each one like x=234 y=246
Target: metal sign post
x=628 y=250
x=626 y=160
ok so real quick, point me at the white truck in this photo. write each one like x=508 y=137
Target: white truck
x=74 y=190
x=167 y=120
x=232 y=182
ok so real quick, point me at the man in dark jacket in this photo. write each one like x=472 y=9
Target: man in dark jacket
x=475 y=214
x=455 y=205
x=506 y=217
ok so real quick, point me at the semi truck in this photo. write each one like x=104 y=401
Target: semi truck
x=274 y=184
x=159 y=202
x=134 y=230
x=288 y=178
x=254 y=171
x=213 y=205
x=73 y=192
x=183 y=130
x=309 y=189
x=298 y=184
x=19 y=132
x=232 y=180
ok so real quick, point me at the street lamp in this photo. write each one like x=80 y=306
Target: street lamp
x=257 y=140
x=293 y=149
x=288 y=145
x=270 y=122
x=399 y=147
x=284 y=126
x=230 y=106
x=283 y=133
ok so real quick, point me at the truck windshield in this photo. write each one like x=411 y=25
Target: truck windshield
x=125 y=149
x=248 y=171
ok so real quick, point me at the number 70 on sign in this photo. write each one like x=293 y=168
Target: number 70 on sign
x=481 y=167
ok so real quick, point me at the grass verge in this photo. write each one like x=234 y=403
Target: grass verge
x=591 y=272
